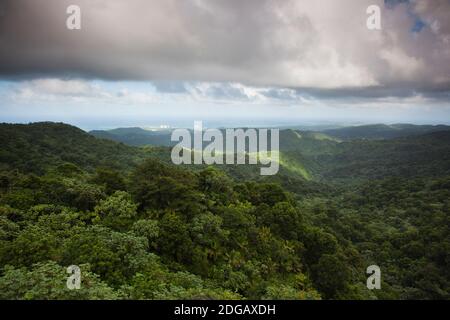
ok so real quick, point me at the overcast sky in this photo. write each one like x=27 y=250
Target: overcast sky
x=139 y=62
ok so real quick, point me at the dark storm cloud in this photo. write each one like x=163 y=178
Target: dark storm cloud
x=136 y=39
x=319 y=48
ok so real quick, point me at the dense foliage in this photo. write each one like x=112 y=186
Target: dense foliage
x=141 y=228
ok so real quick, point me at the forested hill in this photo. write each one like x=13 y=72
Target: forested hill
x=415 y=156
x=35 y=147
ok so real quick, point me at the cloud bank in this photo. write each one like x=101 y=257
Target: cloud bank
x=318 y=47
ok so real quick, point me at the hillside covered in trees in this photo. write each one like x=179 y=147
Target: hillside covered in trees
x=142 y=228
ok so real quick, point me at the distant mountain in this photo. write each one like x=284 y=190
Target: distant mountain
x=289 y=138
x=136 y=136
x=309 y=140
x=304 y=155
x=383 y=131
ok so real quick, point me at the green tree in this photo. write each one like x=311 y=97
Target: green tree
x=118 y=211
x=47 y=281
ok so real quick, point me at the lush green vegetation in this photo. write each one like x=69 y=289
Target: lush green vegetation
x=141 y=228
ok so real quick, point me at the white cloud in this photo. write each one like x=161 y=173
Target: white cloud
x=53 y=89
x=76 y=88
